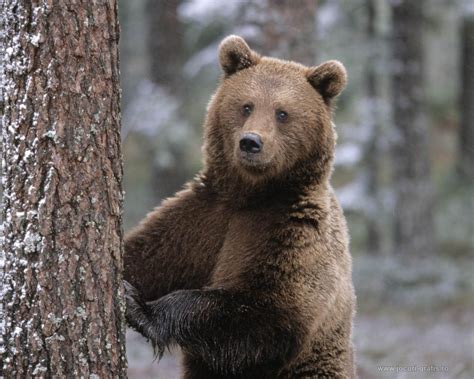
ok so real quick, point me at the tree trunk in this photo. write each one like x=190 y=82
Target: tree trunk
x=291 y=29
x=62 y=191
x=165 y=50
x=372 y=146
x=165 y=42
x=466 y=135
x=414 y=228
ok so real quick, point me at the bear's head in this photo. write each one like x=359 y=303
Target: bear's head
x=271 y=119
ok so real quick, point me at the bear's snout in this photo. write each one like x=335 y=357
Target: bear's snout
x=251 y=143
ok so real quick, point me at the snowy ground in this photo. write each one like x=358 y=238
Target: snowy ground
x=404 y=330
x=141 y=364
x=413 y=341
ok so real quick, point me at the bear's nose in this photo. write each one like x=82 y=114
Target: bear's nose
x=251 y=143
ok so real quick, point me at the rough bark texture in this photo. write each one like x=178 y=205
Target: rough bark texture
x=62 y=191
x=414 y=229
x=466 y=140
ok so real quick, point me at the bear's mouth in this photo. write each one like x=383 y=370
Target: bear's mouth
x=253 y=162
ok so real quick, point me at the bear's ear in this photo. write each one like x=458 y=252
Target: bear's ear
x=235 y=55
x=329 y=79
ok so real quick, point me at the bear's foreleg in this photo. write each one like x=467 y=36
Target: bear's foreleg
x=230 y=331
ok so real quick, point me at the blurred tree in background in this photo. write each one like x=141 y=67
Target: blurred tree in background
x=413 y=208
x=371 y=148
x=165 y=51
x=404 y=162
x=466 y=135
x=165 y=48
x=281 y=29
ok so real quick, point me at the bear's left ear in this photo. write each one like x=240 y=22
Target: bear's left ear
x=329 y=79
x=235 y=55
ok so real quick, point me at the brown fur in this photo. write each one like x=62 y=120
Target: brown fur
x=248 y=268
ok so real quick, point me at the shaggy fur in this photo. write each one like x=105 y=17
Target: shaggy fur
x=248 y=268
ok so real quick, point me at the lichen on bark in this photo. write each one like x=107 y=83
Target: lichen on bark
x=62 y=190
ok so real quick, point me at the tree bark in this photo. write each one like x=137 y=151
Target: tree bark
x=414 y=227
x=62 y=191
x=466 y=135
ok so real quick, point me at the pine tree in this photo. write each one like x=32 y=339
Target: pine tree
x=414 y=224
x=62 y=196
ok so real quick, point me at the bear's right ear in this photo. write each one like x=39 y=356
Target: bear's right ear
x=235 y=55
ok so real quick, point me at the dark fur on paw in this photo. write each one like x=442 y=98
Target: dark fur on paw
x=132 y=292
x=136 y=313
x=139 y=317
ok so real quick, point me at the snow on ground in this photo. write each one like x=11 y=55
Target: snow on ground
x=141 y=364
x=417 y=344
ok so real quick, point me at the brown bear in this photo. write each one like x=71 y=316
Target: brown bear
x=248 y=269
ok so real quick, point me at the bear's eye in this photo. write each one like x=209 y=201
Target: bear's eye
x=281 y=116
x=247 y=110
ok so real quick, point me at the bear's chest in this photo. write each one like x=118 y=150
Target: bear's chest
x=263 y=246
x=245 y=245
